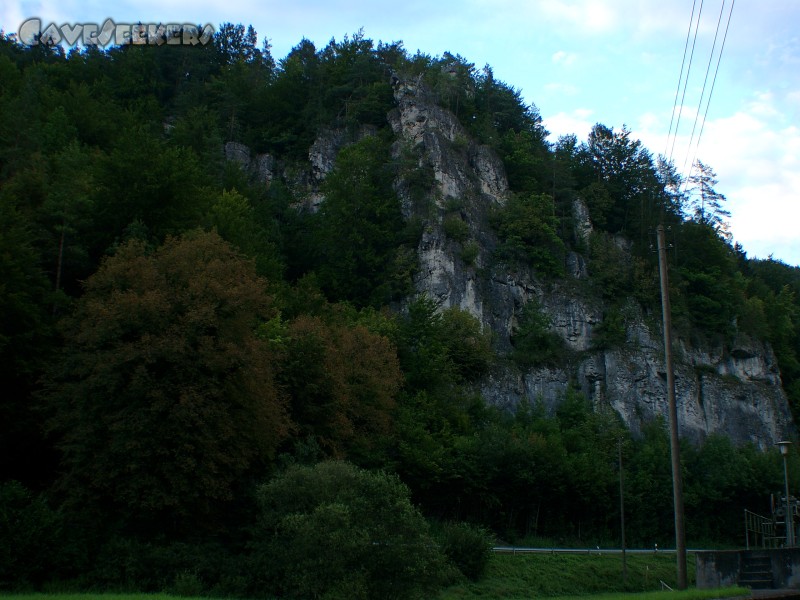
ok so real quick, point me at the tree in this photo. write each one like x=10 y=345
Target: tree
x=705 y=203
x=624 y=169
x=527 y=228
x=361 y=227
x=335 y=531
x=342 y=382
x=164 y=397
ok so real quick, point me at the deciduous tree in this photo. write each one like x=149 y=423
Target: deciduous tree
x=164 y=398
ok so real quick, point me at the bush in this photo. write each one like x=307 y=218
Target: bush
x=455 y=228
x=468 y=547
x=527 y=231
x=187 y=584
x=183 y=569
x=336 y=531
x=470 y=252
x=30 y=536
x=534 y=344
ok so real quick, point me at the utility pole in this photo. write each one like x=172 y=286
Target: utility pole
x=622 y=514
x=675 y=451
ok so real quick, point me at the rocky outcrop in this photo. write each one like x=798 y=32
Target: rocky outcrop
x=737 y=393
x=261 y=167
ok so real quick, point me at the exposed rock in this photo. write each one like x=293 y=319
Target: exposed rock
x=262 y=167
x=583 y=225
x=737 y=393
x=238 y=153
x=322 y=154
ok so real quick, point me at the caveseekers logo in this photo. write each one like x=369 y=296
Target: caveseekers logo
x=111 y=33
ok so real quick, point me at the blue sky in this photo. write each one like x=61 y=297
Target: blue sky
x=580 y=62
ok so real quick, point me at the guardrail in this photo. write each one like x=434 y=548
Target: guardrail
x=595 y=550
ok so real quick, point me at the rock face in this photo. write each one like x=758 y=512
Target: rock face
x=261 y=167
x=737 y=393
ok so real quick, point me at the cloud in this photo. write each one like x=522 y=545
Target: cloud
x=564 y=58
x=576 y=122
x=591 y=16
x=756 y=156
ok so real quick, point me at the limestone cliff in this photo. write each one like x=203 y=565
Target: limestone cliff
x=736 y=392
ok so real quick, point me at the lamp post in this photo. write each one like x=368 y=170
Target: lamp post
x=784 y=446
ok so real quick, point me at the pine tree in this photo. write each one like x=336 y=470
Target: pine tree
x=705 y=203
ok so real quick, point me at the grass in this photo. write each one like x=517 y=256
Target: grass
x=97 y=596
x=684 y=595
x=525 y=576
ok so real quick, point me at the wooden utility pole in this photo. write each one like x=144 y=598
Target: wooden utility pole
x=622 y=514
x=675 y=450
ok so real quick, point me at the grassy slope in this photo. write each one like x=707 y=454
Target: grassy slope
x=526 y=576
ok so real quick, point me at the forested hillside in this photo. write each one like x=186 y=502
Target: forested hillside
x=197 y=314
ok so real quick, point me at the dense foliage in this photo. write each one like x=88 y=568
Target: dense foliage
x=180 y=345
x=335 y=531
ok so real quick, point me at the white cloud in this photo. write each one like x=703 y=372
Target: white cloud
x=564 y=58
x=592 y=16
x=576 y=122
x=757 y=161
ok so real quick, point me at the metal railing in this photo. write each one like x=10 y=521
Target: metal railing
x=761 y=532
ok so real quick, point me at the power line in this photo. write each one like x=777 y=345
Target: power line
x=680 y=78
x=703 y=91
x=711 y=93
x=686 y=83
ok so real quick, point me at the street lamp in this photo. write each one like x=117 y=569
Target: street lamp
x=784 y=446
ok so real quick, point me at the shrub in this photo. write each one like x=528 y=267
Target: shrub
x=455 y=228
x=527 y=231
x=187 y=584
x=29 y=537
x=470 y=252
x=534 y=343
x=468 y=547
x=336 y=531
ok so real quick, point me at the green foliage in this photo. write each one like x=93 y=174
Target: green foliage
x=610 y=332
x=706 y=203
x=164 y=397
x=455 y=227
x=441 y=347
x=335 y=531
x=468 y=547
x=470 y=251
x=610 y=267
x=534 y=343
x=187 y=584
x=197 y=568
x=706 y=279
x=236 y=221
x=467 y=347
x=31 y=538
x=522 y=576
x=342 y=382
x=619 y=181
x=26 y=335
x=527 y=226
x=360 y=228
x=179 y=380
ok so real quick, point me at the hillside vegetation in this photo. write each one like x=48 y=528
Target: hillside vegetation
x=186 y=349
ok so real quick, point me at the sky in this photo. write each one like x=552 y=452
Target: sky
x=580 y=62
